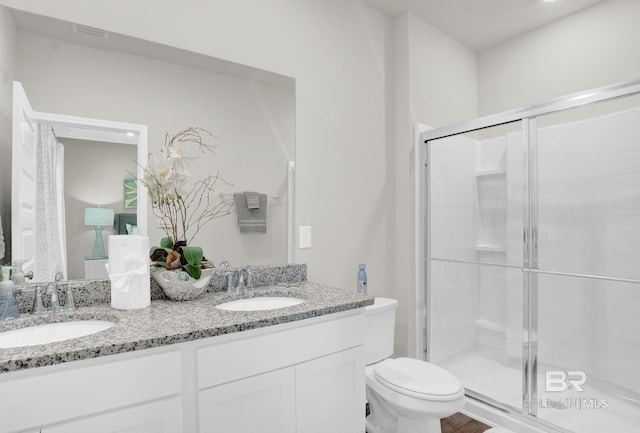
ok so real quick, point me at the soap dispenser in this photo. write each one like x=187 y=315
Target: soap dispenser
x=362 y=279
x=9 y=307
x=17 y=276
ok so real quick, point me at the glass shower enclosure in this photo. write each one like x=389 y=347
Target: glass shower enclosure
x=530 y=259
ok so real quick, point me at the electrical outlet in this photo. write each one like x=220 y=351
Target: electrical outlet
x=305 y=236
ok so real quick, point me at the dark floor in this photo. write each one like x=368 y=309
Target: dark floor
x=459 y=423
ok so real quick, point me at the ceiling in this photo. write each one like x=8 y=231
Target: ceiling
x=480 y=24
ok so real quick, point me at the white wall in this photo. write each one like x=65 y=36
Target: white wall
x=592 y=48
x=336 y=52
x=435 y=86
x=254 y=122
x=7 y=63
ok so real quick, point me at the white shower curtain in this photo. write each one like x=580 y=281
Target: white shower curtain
x=50 y=232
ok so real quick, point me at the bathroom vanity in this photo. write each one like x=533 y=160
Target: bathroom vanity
x=191 y=367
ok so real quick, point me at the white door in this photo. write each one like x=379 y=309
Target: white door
x=23 y=188
x=264 y=403
x=330 y=393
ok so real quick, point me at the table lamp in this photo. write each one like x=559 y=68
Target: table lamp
x=98 y=217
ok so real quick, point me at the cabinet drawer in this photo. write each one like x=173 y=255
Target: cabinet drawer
x=221 y=363
x=159 y=417
x=83 y=388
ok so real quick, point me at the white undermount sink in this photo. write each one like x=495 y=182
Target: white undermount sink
x=51 y=333
x=261 y=303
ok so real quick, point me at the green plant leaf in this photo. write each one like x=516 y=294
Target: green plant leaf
x=193 y=255
x=194 y=271
x=166 y=242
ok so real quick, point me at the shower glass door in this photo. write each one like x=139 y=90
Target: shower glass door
x=533 y=265
x=475 y=259
x=588 y=247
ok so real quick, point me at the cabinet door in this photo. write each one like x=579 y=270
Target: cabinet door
x=264 y=403
x=160 y=417
x=331 y=393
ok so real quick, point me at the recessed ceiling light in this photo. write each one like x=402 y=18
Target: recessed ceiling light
x=548 y=1
x=131 y=134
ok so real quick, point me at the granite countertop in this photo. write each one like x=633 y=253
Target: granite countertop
x=166 y=322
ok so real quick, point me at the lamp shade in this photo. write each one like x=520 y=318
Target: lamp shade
x=98 y=216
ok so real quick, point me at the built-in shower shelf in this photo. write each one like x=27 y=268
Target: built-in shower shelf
x=491 y=248
x=495 y=172
x=490 y=210
x=490 y=325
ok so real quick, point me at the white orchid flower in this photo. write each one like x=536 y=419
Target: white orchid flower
x=175 y=152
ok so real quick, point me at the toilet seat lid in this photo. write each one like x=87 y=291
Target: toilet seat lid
x=419 y=379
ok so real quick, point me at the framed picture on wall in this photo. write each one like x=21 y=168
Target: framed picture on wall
x=130 y=193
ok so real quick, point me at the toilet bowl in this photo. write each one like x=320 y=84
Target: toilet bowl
x=405 y=395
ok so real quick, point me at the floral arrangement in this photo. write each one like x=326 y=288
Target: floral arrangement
x=182 y=205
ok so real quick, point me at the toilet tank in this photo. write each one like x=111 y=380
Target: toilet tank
x=381 y=317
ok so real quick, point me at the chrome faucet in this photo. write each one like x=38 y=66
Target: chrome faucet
x=247 y=283
x=243 y=277
x=39 y=301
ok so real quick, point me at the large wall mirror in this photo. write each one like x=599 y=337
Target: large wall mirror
x=75 y=71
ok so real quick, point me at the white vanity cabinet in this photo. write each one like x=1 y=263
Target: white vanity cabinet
x=303 y=379
x=305 y=376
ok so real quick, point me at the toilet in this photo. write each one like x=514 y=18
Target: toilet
x=405 y=395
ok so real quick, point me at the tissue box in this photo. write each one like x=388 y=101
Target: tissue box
x=129 y=272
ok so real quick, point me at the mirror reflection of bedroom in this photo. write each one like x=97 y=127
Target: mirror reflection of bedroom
x=97 y=175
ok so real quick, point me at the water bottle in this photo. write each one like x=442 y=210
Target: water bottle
x=362 y=279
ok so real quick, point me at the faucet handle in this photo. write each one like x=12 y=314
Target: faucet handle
x=54 y=300
x=230 y=280
x=249 y=279
x=240 y=282
x=38 y=305
x=69 y=303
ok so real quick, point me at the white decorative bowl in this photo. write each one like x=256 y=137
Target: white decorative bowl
x=175 y=286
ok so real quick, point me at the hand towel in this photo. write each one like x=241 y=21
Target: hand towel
x=251 y=220
x=253 y=200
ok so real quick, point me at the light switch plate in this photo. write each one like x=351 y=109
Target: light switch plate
x=305 y=236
